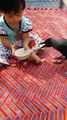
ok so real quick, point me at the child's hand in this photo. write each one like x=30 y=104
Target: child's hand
x=26 y=47
x=13 y=47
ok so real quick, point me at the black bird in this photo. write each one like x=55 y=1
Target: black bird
x=58 y=44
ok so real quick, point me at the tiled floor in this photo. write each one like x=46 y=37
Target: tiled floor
x=43 y=3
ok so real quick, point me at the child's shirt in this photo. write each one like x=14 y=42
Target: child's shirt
x=12 y=34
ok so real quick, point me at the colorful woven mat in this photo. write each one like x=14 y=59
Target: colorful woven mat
x=37 y=92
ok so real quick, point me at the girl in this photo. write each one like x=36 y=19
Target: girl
x=14 y=30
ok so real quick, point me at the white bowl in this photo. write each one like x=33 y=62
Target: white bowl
x=22 y=54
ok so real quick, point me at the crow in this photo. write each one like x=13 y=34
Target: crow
x=58 y=44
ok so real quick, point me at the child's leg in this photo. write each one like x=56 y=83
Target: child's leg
x=35 y=57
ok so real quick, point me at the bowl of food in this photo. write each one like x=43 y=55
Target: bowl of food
x=22 y=54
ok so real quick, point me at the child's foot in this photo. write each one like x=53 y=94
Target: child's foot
x=35 y=57
x=38 y=60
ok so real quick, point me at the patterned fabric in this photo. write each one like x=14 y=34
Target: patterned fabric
x=15 y=36
x=37 y=92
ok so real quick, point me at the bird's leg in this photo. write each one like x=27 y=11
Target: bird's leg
x=58 y=57
x=58 y=60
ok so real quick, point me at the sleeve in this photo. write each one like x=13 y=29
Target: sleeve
x=2 y=31
x=26 y=25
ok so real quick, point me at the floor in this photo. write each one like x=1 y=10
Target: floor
x=37 y=92
x=43 y=3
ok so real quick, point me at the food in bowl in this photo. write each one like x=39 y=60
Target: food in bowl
x=22 y=54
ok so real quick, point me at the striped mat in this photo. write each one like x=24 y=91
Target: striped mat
x=37 y=92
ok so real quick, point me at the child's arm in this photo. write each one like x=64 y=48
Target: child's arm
x=7 y=43
x=26 y=40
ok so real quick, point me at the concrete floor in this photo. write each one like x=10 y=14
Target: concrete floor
x=43 y=3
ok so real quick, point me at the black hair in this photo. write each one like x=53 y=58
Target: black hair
x=8 y=6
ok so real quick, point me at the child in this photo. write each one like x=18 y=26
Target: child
x=14 y=30
x=60 y=45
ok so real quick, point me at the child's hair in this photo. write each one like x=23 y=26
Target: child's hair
x=8 y=6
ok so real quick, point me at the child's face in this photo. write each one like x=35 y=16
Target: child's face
x=14 y=18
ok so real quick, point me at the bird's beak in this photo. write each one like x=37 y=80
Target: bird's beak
x=41 y=45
